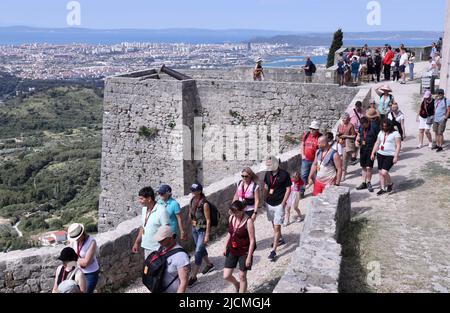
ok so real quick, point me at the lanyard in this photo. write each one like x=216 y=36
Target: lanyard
x=365 y=134
x=168 y=249
x=272 y=184
x=148 y=215
x=245 y=191
x=324 y=156
x=235 y=229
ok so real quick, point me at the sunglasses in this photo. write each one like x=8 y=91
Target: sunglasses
x=245 y=176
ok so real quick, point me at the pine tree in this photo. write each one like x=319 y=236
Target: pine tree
x=335 y=46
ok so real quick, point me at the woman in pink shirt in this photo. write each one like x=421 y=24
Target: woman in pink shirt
x=248 y=192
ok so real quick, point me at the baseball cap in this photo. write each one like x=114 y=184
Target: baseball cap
x=163 y=189
x=196 y=187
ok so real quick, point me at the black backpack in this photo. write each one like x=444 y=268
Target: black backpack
x=313 y=68
x=214 y=212
x=154 y=267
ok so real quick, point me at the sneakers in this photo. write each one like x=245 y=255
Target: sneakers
x=381 y=192
x=301 y=218
x=430 y=146
x=439 y=149
x=192 y=281
x=272 y=256
x=362 y=186
x=207 y=269
x=434 y=147
x=353 y=161
x=390 y=187
x=369 y=187
x=419 y=147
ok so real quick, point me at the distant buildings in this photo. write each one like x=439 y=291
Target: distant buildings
x=53 y=238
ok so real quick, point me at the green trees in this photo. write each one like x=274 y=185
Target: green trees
x=338 y=42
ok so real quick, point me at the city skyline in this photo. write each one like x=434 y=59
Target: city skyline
x=280 y=15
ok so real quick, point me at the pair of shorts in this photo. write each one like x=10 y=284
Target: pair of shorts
x=364 y=158
x=232 y=261
x=439 y=128
x=402 y=68
x=318 y=188
x=423 y=123
x=385 y=162
x=275 y=214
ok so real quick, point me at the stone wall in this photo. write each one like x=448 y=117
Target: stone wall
x=33 y=270
x=315 y=265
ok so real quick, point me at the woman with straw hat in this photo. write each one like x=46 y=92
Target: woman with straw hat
x=86 y=248
x=386 y=98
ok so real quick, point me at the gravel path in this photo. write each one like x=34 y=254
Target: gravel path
x=264 y=274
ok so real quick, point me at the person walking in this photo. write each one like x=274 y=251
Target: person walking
x=294 y=199
x=341 y=70
x=386 y=150
x=425 y=119
x=153 y=216
x=396 y=65
x=386 y=98
x=387 y=61
x=200 y=214
x=176 y=274
x=378 y=64
x=69 y=274
x=308 y=148
x=412 y=61
x=86 y=249
x=441 y=116
x=403 y=65
x=367 y=136
x=240 y=244
x=355 y=118
x=346 y=136
x=248 y=192
x=355 y=70
x=173 y=210
x=310 y=69
x=258 y=72
x=277 y=189
x=398 y=119
x=328 y=167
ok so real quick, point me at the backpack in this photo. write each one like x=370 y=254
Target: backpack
x=313 y=68
x=154 y=268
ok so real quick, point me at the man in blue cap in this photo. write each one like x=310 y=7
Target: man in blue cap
x=173 y=209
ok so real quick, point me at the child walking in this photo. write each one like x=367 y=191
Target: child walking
x=294 y=199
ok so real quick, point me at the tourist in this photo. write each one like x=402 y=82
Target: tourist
x=333 y=142
x=294 y=199
x=370 y=66
x=373 y=105
x=346 y=135
x=439 y=45
x=70 y=272
x=387 y=61
x=433 y=51
x=403 y=64
x=248 y=192
x=308 y=148
x=355 y=70
x=310 y=69
x=396 y=65
x=432 y=70
x=328 y=167
x=355 y=118
x=441 y=115
x=277 y=189
x=240 y=244
x=341 y=69
x=258 y=72
x=425 y=119
x=378 y=64
x=398 y=119
x=438 y=61
x=174 y=211
x=367 y=136
x=153 y=216
x=386 y=98
x=411 y=61
x=176 y=274
x=387 y=150
x=200 y=214
x=86 y=249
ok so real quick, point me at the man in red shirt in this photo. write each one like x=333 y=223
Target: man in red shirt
x=308 y=149
x=387 y=63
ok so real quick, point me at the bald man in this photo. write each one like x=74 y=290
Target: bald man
x=328 y=167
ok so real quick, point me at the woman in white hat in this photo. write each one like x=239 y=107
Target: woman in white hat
x=86 y=248
x=258 y=72
x=386 y=98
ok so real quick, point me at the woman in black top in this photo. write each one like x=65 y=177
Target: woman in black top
x=425 y=119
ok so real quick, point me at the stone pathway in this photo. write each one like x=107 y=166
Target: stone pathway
x=407 y=232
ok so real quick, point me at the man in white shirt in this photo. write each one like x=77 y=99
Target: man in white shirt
x=403 y=64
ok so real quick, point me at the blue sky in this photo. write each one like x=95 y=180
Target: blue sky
x=290 y=15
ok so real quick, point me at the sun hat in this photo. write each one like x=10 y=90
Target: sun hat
x=68 y=254
x=75 y=231
x=427 y=94
x=386 y=88
x=372 y=113
x=163 y=232
x=275 y=164
x=315 y=125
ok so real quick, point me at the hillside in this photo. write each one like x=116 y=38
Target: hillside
x=50 y=151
